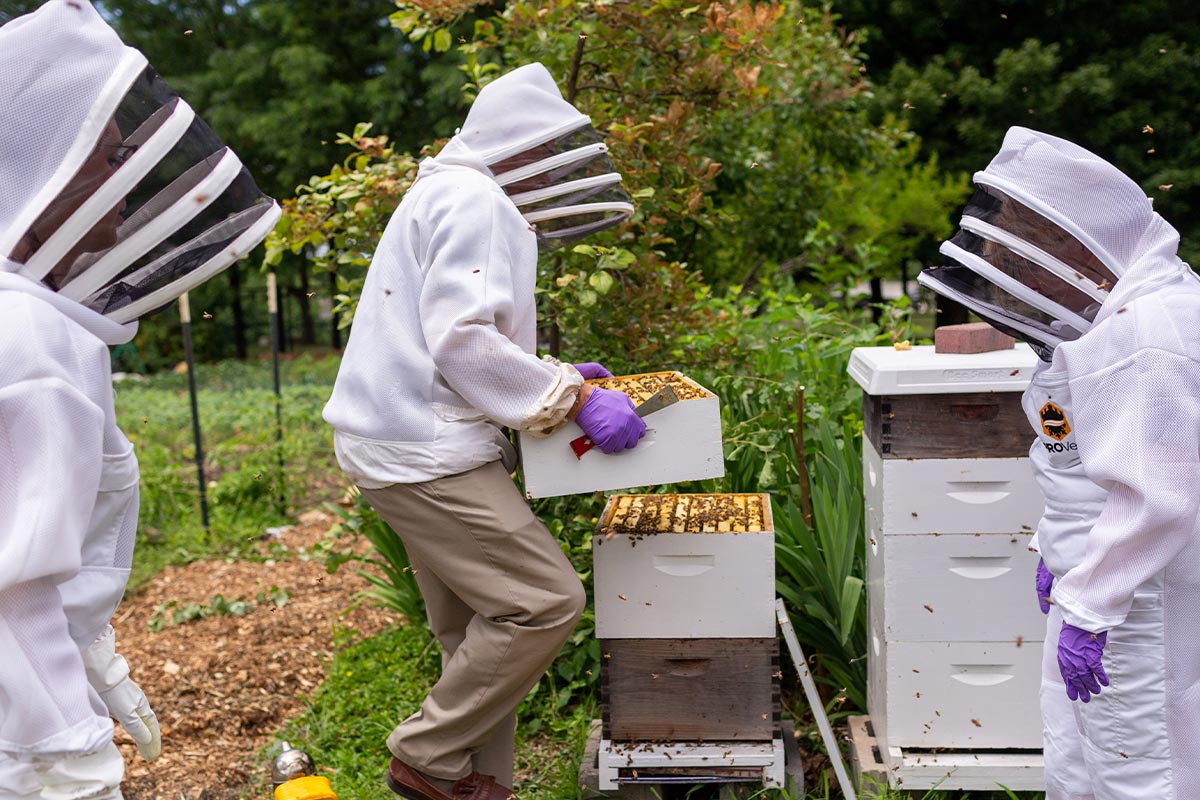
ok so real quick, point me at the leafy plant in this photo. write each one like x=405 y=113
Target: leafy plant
x=171 y=613
x=819 y=562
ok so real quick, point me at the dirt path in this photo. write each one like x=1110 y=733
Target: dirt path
x=223 y=685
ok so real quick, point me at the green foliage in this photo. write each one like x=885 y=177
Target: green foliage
x=820 y=567
x=1104 y=74
x=375 y=683
x=733 y=124
x=335 y=220
x=275 y=77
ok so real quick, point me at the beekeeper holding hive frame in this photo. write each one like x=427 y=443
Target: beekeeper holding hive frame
x=439 y=359
x=1063 y=251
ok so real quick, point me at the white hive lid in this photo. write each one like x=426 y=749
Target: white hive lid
x=888 y=371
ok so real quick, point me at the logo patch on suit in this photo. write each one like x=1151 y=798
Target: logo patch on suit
x=1054 y=422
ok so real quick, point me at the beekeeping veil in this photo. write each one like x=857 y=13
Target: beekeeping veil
x=1041 y=246
x=115 y=194
x=547 y=157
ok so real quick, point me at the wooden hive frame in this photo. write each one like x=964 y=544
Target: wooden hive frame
x=641 y=514
x=642 y=387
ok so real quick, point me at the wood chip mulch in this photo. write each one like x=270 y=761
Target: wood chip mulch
x=223 y=686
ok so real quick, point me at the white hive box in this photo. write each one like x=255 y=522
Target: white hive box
x=685 y=567
x=951 y=505
x=955 y=695
x=953 y=587
x=682 y=443
x=951 y=495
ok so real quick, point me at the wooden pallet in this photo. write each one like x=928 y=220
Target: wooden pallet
x=877 y=764
x=733 y=782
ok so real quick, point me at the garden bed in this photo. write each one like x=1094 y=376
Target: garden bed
x=222 y=685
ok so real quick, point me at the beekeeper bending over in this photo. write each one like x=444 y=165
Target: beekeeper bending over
x=440 y=358
x=115 y=200
x=1063 y=251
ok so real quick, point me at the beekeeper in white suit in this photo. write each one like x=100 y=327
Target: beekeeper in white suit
x=115 y=200
x=440 y=358
x=1062 y=250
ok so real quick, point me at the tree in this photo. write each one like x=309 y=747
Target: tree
x=275 y=79
x=737 y=126
x=1103 y=73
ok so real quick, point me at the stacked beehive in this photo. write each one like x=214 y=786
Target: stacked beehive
x=955 y=632
x=684 y=598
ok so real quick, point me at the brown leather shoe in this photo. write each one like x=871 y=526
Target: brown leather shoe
x=407 y=782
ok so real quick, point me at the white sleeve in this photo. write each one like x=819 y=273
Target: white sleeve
x=469 y=287
x=1137 y=426
x=51 y=439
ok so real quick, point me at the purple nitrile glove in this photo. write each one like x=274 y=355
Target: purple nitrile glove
x=608 y=418
x=590 y=369
x=1079 y=654
x=1044 y=580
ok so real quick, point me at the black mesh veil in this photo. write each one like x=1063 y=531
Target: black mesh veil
x=567 y=188
x=159 y=205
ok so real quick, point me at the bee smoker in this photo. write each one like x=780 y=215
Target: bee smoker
x=292 y=778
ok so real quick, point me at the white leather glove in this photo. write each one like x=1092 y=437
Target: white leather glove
x=96 y=776
x=108 y=673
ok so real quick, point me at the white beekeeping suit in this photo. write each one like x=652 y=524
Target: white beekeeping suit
x=116 y=199
x=441 y=351
x=441 y=357
x=1063 y=250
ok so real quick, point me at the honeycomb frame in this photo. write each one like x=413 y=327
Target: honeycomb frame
x=644 y=514
x=642 y=387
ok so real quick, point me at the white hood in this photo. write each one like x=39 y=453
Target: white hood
x=516 y=111
x=1054 y=239
x=117 y=195
x=544 y=153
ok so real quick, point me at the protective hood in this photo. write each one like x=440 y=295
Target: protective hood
x=117 y=196
x=1048 y=240
x=546 y=155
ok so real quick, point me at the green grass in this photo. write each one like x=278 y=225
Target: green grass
x=372 y=685
x=241 y=457
x=375 y=683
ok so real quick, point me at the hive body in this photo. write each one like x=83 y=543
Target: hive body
x=684 y=589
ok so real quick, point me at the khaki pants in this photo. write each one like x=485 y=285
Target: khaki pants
x=501 y=598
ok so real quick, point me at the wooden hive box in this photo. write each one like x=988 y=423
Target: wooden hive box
x=682 y=443
x=684 y=591
x=922 y=404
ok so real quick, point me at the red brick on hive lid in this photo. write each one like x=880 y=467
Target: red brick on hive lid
x=971 y=337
